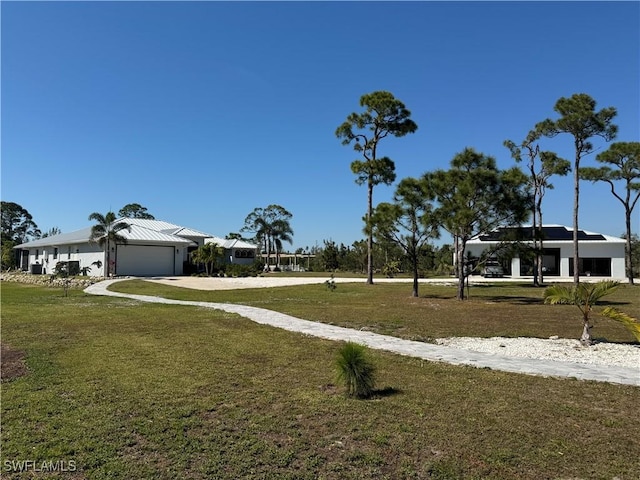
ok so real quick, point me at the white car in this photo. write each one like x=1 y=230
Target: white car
x=492 y=269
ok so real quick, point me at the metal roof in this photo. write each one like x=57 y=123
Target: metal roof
x=141 y=231
x=142 y=234
x=230 y=243
x=166 y=227
x=187 y=232
x=79 y=236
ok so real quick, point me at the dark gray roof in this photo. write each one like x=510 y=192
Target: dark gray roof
x=524 y=234
x=553 y=233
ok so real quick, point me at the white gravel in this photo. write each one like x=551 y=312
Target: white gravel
x=567 y=350
x=560 y=349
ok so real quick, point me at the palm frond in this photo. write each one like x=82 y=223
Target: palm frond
x=98 y=217
x=628 y=321
x=118 y=227
x=602 y=289
x=559 y=294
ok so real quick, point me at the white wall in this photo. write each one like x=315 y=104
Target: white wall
x=232 y=258
x=615 y=251
x=603 y=250
x=85 y=253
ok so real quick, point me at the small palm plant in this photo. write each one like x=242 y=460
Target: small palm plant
x=355 y=370
x=584 y=296
x=330 y=284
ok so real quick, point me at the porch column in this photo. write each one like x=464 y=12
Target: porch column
x=515 y=267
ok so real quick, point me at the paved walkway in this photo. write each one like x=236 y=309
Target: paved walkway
x=426 y=351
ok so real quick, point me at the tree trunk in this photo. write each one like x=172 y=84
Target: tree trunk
x=540 y=245
x=628 y=260
x=415 y=274
x=108 y=259
x=585 y=339
x=268 y=255
x=536 y=270
x=460 y=245
x=370 y=234
x=576 y=202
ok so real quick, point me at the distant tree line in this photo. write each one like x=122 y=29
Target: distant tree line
x=389 y=258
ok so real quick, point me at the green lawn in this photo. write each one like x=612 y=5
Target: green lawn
x=130 y=390
x=501 y=309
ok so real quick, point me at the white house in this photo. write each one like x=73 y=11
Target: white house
x=153 y=248
x=236 y=251
x=600 y=255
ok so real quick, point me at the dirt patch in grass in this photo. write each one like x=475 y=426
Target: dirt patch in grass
x=12 y=363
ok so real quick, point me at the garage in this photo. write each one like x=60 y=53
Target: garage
x=145 y=260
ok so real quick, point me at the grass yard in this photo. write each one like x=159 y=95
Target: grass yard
x=501 y=309
x=131 y=390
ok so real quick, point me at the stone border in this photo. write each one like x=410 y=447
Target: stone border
x=48 y=280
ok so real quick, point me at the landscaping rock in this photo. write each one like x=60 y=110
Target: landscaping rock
x=48 y=280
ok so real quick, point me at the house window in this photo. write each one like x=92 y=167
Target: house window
x=69 y=252
x=550 y=263
x=592 y=267
x=55 y=253
x=244 y=253
x=37 y=254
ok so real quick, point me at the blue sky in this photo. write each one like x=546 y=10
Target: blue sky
x=203 y=111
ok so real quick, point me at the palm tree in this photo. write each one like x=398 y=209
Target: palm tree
x=107 y=231
x=208 y=254
x=280 y=231
x=270 y=227
x=584 y=296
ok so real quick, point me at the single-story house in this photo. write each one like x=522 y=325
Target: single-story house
x=600 y=255
x=153 y=248
x=236 y=250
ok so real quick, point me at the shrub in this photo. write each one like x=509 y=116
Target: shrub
x=355 y=370
x=330 y=284
x=391 y=269
x=237 y=270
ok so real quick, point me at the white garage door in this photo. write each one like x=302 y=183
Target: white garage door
x=142 y=260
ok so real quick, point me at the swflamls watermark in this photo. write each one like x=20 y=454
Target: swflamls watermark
x=38 y=466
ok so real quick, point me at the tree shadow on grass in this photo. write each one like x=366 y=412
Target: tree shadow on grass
x=377 y=394
x=385 y=392
x=611 y=303
x=430 y=296
x=515 y=300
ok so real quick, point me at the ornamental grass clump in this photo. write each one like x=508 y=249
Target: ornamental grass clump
x=355 y=370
